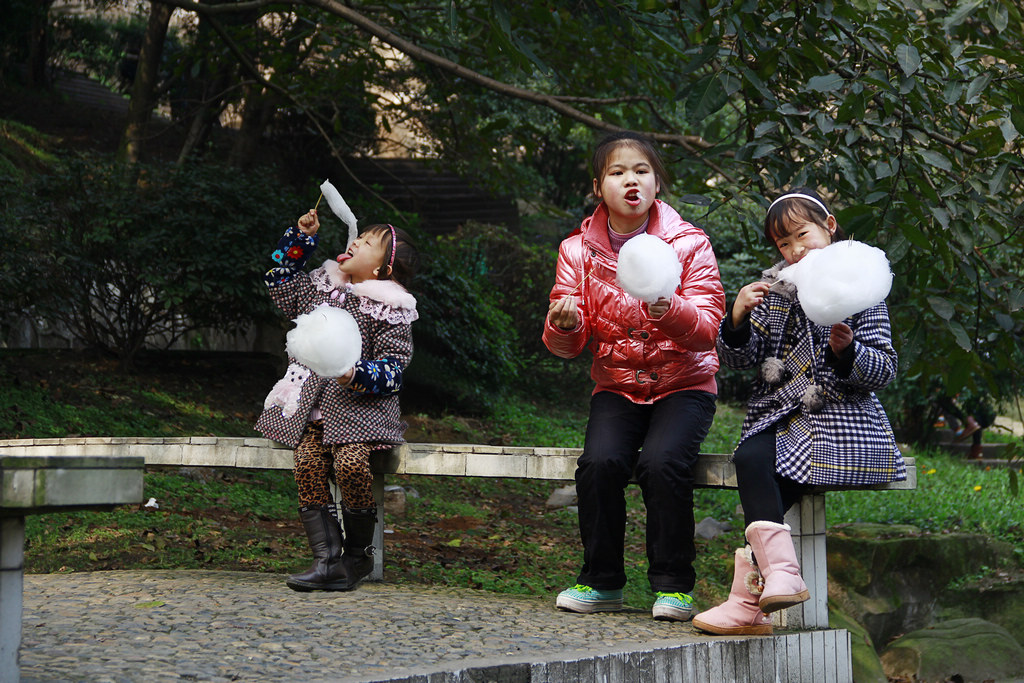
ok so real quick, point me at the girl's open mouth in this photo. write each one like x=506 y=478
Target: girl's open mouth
x=634 y=198
x=344 y=257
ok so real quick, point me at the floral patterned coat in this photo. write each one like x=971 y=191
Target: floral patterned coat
x=367 y=410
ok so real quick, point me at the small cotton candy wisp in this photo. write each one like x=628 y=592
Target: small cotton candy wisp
x=326 y=340
x=839 y=280
x=648 y=268
x=340 y=209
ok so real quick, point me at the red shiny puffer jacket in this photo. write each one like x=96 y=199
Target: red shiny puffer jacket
x=636 y=356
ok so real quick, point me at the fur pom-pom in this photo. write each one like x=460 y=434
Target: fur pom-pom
x=773 y=370
x=814 y=398
x=326 y=340
x=840 y=280
x=648 y=268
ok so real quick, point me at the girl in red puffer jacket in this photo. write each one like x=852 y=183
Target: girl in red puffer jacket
x=654 y=367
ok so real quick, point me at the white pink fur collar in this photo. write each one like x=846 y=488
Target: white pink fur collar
x=387 y=292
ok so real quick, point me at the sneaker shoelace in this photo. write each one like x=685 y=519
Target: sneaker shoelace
x=681 y=597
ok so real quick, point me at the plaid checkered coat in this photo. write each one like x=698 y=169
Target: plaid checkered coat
x=849 y=440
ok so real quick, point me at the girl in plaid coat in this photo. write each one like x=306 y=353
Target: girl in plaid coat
x=334 y=424
x=813 y=418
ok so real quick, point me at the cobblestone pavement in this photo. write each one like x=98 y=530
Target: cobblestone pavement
x=156 y=626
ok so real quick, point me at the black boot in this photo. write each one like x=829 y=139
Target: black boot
x=327 y=572
x=358 y=557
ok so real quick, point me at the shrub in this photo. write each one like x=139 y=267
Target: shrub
x=129 y=257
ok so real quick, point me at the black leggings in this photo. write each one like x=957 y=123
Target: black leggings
x=764 y=494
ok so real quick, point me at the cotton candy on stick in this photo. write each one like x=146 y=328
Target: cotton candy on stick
x=648 y=268
x=340 y=209
x=326 y=340
x=839 y=280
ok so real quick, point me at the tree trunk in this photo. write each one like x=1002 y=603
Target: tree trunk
x=146 y=77
x=37 y=52
x=259 y=108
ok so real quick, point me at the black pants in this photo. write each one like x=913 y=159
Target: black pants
x=661 y=442
x=764 y=494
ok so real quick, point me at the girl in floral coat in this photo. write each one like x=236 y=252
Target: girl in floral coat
x=334 y=424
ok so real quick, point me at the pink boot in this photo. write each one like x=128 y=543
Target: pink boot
x=776 y=559
x=740 y=614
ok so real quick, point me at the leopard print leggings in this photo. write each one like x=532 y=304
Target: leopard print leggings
x=316 y=465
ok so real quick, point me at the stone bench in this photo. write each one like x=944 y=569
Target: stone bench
x=468 y=460
x=36 y=482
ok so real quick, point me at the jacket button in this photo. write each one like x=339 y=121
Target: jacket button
x=644 y=335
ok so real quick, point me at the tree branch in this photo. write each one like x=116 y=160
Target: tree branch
x=690 y=143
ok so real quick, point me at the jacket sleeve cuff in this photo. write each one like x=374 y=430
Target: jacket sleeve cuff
x=292 y=253
x=738 y=336
x=842 y=363
x=381 y=377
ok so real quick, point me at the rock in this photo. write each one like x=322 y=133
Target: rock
x=968 y=649
x=563 y=497
x=867 y=666
x=893 y=578
x=394 y=501
x=709 y=527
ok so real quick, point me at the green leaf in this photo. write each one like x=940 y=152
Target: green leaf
x=908 y=58
x=1009 y=131
x=826 y=83
x=935 y=159
x=952 y=92
x=943 y=307
x=977 y=87
x=698 y=199
x=960 y=335
x=705 y=98
x=1016 y=300
x=999 y=16
x=998 y=180
x=452 y=18
x=965 y=9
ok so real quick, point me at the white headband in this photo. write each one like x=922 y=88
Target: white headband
x=801 y=196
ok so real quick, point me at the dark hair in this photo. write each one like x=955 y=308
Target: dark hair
x=794 y=211
x=407 y=258
x=612 y=141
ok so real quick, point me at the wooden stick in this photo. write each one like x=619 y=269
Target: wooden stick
x=580 y=282
x=318 y=201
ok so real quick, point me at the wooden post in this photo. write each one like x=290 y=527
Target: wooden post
x=807 y=520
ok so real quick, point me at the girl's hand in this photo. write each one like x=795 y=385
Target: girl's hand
x=659 y=308
x=747 y=300
x=563 y=313
x=309 y=223
x=840 y=337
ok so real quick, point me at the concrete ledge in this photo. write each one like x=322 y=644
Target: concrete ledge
x=811 y=657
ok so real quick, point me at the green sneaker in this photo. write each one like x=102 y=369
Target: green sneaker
x=585 y=600
x=673 y=607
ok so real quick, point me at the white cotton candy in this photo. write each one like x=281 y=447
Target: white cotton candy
x=648 y=268
x=326 y=340
x=839 y=280
x=340 y=209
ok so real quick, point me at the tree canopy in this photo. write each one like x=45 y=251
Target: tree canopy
x=906 y=114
